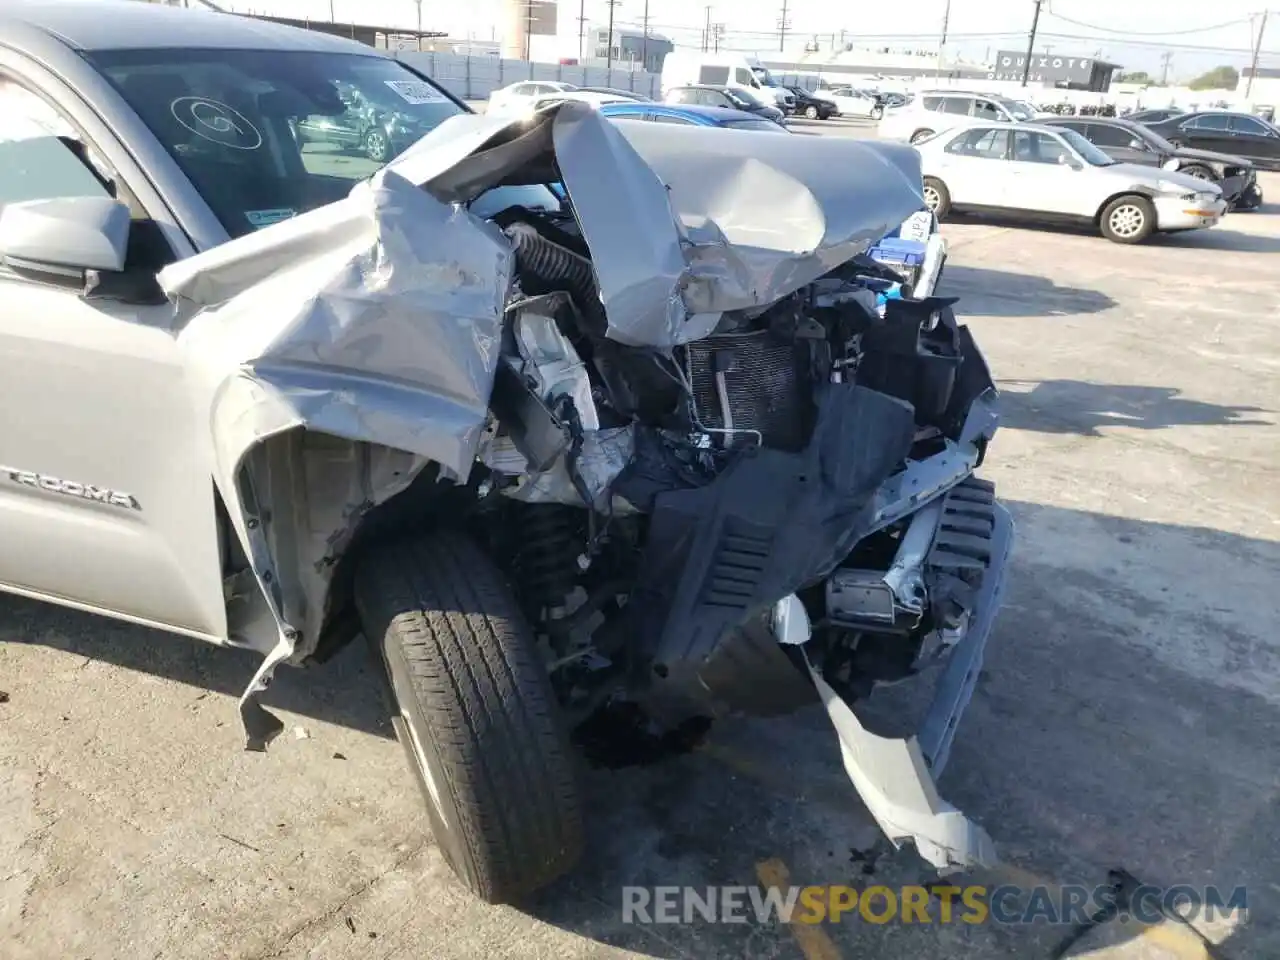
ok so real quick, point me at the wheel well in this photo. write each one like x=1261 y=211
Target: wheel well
x=1131 y=192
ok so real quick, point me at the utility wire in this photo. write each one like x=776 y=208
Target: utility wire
x=1148 y=33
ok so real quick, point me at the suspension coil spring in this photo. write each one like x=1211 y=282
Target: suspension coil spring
x=548 y=553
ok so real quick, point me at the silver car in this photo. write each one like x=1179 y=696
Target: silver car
x=487 y=406
x=1048 y=173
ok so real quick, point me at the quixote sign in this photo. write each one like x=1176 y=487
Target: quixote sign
x=1010 y=65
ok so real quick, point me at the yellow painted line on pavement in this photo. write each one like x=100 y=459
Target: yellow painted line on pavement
x=810 y=938
x=1176 y=939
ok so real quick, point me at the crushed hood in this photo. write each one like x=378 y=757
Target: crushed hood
x=683 y=222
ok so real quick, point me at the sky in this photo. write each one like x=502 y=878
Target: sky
x=1134 y=33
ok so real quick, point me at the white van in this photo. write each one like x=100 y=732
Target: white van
x=680 y=68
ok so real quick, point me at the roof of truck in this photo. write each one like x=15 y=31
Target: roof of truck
x=89 y=25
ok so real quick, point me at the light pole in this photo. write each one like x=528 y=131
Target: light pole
x=1031 y=43
x=1257 y=49
x=418 y=4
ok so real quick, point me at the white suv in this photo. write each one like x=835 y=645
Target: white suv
x=936 y=110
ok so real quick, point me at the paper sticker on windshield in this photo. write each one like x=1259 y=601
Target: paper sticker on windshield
x=265 y=218
x=416 y=91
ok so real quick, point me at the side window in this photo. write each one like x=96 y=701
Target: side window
x=932 y=103
x=1037 y=148
x=713 y=98
x=668 y=118
x=987 y=110
x=41 y=155
x=1205 y=121
x=956 y=105
x=1249 y=125
x=681 y=96
x=743 y=76
x=983 y=143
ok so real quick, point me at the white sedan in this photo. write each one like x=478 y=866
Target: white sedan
x=518 y=97
x=853 y=103
x=1050 y=173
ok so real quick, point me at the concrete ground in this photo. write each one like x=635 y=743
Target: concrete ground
x=1128 y=716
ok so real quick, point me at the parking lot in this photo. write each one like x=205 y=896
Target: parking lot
x=1128 y=715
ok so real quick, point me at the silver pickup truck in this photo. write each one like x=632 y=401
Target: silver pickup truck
x=558 y=413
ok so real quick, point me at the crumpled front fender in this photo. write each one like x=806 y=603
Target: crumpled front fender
x=374 y=322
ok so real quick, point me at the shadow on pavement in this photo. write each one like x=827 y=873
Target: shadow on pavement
x=1126 y=717
x=1219 y=238
x=997 y=293
x=1074 y=406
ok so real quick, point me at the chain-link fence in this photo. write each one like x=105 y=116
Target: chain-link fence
x=474 y=78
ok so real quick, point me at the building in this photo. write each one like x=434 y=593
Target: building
x=1265 y=90
x=631 y=48
x=1054 y=70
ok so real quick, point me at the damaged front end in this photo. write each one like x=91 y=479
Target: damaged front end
x=672 y=405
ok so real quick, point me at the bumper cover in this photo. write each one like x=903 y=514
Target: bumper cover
x=896 y=776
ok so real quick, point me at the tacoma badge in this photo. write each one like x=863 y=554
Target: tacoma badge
x=70 y=488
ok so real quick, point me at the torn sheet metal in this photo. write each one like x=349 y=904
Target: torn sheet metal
x=374 y=322
x=377 y=318
x=755 y=218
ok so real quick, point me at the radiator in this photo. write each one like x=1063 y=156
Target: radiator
x=757 y=375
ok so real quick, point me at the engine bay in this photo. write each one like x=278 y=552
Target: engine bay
x=646 y=501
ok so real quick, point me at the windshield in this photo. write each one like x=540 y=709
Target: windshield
x=754 y=124
x=747 y=99
x=1018 y=110
x=1152 y=138
x=266 y=135
x=1091 y=154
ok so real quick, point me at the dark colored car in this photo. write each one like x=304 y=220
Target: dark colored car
x=379 y=130
x=694 y=116
x=807 y=105
x=1241 y=134
x=1155 y=116
x=726 y=98
x=1131 y=142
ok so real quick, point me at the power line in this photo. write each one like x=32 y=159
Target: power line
x=1148 y=33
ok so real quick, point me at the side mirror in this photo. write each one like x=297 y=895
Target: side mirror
x=77 y=242
x=64 y=237
x=1136 y=144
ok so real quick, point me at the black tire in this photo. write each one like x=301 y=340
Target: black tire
x=491 y=755
x=935 y=188
x=877 y=113
x=1199 y=172
x=377 y=145
x=1124 y=210
x=812 y=112
x=921 y=135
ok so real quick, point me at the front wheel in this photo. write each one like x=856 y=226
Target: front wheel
x=1128 y=219
x=877 y=113
x=377 y=146
x=476 y=714
x=921 y=135
x=937 y=198
x=811 y=112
